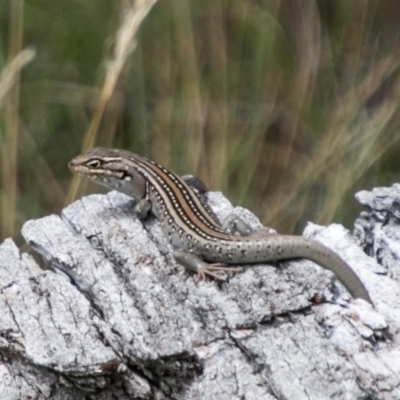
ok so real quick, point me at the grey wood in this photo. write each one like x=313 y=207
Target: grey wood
x=115 y=317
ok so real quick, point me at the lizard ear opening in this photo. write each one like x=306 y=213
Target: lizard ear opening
x=133 y=185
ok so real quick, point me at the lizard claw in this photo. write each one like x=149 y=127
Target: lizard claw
x=193 y=262
x=212 y=270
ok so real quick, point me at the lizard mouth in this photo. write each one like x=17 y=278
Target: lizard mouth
x=81 y=170
x=76 y=169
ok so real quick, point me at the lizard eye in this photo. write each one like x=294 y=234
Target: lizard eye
x=94 y=164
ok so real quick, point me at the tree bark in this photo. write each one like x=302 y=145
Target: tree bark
x=112 y=316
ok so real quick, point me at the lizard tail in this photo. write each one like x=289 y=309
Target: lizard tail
x=318 y=253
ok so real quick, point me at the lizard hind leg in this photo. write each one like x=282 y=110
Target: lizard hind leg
x=236 y=226
x=195 y=183
x=194 y=263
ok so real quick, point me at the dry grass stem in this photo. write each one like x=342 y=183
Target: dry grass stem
x=11 y=72
x=9 y=96
x=125 y=43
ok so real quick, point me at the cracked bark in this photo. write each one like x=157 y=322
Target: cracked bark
x=115 y=317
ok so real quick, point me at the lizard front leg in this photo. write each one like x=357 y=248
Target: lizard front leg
x=142 y=208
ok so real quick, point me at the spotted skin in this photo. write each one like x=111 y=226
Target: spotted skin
x=200 y=243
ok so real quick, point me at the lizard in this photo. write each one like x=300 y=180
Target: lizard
x=201 y=244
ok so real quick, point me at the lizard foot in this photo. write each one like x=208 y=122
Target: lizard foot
x=213 y=269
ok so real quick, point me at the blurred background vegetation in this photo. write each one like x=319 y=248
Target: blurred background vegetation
x=288 y=107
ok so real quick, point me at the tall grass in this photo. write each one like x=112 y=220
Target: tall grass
x=9 y=102
x=133 y=15
x=287 y=107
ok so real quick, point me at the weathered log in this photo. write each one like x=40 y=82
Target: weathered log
x=114 y=316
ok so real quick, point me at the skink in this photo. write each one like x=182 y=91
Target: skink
x=200 y=243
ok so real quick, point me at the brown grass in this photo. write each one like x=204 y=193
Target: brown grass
x=287 y=107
